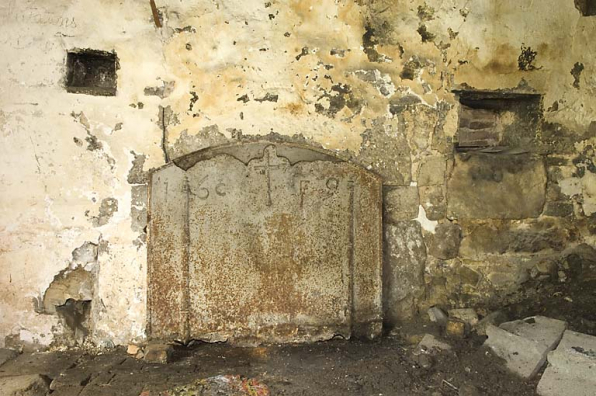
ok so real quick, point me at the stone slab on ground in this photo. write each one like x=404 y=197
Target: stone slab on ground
x=572 y=367
x=24 y=385
x=7 y=354
x=525 y=343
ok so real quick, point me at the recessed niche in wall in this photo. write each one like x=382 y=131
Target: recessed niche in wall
x=91 y=72
x=586 y=7
x=495 y=118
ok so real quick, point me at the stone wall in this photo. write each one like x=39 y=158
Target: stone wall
x=381 y=83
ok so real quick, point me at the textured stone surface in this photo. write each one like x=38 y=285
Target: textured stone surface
x=403 y=275
x=432 y=171
x=158 y=353
x=571 y=367
x=6 y=355
x=445 y=241
x=269 y=249
x=24 y=385
x=525 y=343
x=401 y=203
x=496 y=187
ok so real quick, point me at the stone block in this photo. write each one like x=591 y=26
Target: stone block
x=401 y=203
x=488 y=186
x=429 y=343
x=455 y=328
x=7 y=354
x=432 y=171
x=24 y=385
x=525 y=343
x=437 y=315
x=403 y=280
x=432 y=199
x=571 y=367
x=444 y=243
x=158 y=353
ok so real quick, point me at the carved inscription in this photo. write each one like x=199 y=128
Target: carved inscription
x=35 y=15
x=270 y=161
x=203 y=192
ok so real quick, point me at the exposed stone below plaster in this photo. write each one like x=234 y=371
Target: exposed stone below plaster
x=432 y=199
x=108 y=207
x=444 y=243
x=77 y=284
x=385 y=151
x=405 y=258
x=500 y=237
x=496 y=187
x=162 y=91
x=432 y=171
x=136 y=174
x=382 y=82
x=401 y=203
x=207 y=137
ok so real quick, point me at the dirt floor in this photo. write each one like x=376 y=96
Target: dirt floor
x=383 y=367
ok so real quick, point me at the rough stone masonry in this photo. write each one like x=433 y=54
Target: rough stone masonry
x=477 y=116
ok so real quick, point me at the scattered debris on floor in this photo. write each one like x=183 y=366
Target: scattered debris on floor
x=229 y=385
x=525 y=343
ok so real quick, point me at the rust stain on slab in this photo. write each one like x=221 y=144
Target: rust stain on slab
x=268 y=249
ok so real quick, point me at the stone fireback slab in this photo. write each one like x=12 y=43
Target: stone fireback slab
x=249 y=245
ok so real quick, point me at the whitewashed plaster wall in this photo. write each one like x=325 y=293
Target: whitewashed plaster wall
x=62 y=154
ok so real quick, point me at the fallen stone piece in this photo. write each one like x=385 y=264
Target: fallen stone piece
x=430 y=343
x=494 y=318
x=437 y=315
x=455 y=328
x=24 y=385
x=133 y=349
x=7 y=354
x=158 y=353
x=525 y=343
x=571 y=367
x=467 y=315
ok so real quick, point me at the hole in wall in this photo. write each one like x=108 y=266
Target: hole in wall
x=586 y=7
x=495 y=118
x=91 y=72
x=75 y=315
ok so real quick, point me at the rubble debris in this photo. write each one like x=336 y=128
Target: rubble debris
x=571 y=367
x=133 y=349
x=455 y=328
x=430 y=343
x=218 y=385
x=437 y=315
x=494 y=318
x=158 y=353
x=525 y=343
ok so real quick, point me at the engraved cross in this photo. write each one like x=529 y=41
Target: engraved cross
x=269 y=154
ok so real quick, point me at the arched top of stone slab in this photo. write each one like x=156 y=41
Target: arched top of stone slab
x=245 y=152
